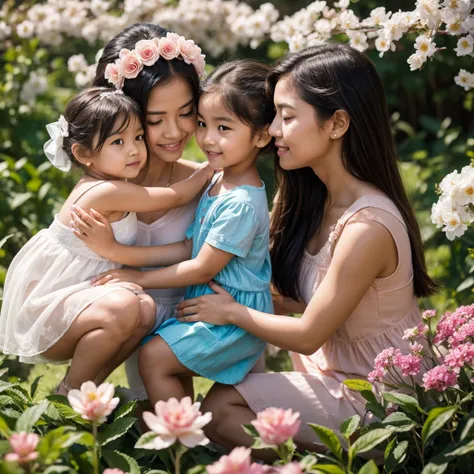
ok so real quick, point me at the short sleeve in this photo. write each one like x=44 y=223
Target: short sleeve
x=234 y=229
x=190 y=231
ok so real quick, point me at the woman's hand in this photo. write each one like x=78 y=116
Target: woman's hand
x=213 y=309
x=115 y=276
x=94 y=230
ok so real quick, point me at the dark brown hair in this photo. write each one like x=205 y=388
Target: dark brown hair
x=242 y=87
x=331 y=77
x=161 y=72
x=92 y=117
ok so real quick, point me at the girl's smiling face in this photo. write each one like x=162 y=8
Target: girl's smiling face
x=170 y=119
x=226 y=140
x=300 y=140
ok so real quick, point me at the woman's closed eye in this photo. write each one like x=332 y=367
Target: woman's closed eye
x=153 y=123
x=188 y=114
x=287 y=119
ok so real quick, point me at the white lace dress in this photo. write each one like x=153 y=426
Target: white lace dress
x=48 y=285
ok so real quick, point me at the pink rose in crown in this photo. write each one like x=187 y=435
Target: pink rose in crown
x=23 y=445
x=199 y=64
x=168 y=48
x=147 y=51
x=112 y=74
x=275 y=425
x=174 y=37
x=130 y=64
x=189 y=50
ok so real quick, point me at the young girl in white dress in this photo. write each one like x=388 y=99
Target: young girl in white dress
x=50 y=312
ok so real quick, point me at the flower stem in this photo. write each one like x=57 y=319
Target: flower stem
x=95 y=458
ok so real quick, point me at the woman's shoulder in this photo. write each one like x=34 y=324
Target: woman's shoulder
x=184 y=169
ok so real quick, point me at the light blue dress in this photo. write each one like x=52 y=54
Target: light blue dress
x=236 y=222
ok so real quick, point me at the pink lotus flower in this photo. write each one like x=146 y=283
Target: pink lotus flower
x=147 y=51
x=275 y=425
x=93 y=403
x=112 y=74
x=174 y=420
x=168 y=48
x=237 y=462
x=23 y=445
x=113 y=471
x=130 y=64
x=189 y=50
x=292 y=468
x=439 y=378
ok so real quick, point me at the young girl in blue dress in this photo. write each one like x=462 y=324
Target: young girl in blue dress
x=228 y=241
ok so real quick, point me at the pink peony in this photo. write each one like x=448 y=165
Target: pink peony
x=429 y=314
x=459 y=356
x=275 y=425
x=147 y=51
x=93 y=403
x=410 y=364
x=130 y=64
x=112 y=74
x=168 y=48
x=237 y=462
x=199 y=64
x=189 y=50
x=23 y=445
x=177 y=420
x=439 y=378
x=113 y=471
x=292 y=468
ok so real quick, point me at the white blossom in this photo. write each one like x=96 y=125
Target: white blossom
x=76 y=63
x=425 y=46
x=464 y=79
x=465 y=45
x=358 y=40
x=416 y=61
x=25 y=29
x=5 y=30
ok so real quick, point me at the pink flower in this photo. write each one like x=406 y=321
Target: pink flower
x=237 y=462
x=147 y=51
x=410 y=364
x=168 y=48
x=174 y=37
x=292 y=468
x=189 y=50
x=199 y=64
x=275 y=425
x=93 y=403
x=23 y=445
x=113 y=471
x=459 y=356
x=130 y=64
x=376 y=375
x=384 y=360
x=415 y=333
x=429 y=314
x=417 y=349
x=439 y=378
x=177 y=420
x=112 y=74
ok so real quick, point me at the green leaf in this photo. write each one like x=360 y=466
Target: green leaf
x=308 y=462
x=437 y=418
x=2 y=242
x=31 y=415
x=403 y=400
x=432 y=468
x=19 y=199
x=373 y=404
x=159 y=471
x=116 y=430
x=400 y=421
x=349 y=426
x=34 y=386
x=146 y=440
x=328 y=469
x=463 y=450
x=369 y=468
x=251 y=431
x=124 y=410
x=369 y=440
x=58 y=470
x=466 y=431
x=358 y=385
x=118 y=460
x=395 y=455
x=329 y=438
x=4 y=428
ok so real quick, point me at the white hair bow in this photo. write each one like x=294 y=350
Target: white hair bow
x=53 y=148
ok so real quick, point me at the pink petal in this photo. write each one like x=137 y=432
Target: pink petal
x=154 y=423
x=193 y=438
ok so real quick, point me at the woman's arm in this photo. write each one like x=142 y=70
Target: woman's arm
x=96 y=232
x=286 y=305
x=207 y=264
x=124 y=196
x=361 y=255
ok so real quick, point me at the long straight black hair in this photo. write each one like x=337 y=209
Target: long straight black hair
x=331 y=77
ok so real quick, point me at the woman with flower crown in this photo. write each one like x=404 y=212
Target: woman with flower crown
x=167 y=92
x=50 y=311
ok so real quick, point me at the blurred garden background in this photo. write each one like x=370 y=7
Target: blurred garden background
x=48 y=50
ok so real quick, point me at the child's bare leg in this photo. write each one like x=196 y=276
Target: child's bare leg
x=188 y=386
x=161 y=371
x=147 y=321
x=96 y=335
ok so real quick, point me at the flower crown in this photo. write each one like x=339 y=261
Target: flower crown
x=130 y=63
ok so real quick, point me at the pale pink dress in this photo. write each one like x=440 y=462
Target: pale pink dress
x=387 y=309
x=167 y=229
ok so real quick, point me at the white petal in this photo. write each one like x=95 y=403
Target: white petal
x=163 y=442
x=154 y=423
x=193 y=438
x=88 y=387
x=203 y=420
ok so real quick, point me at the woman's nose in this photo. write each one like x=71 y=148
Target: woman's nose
x=275 y=128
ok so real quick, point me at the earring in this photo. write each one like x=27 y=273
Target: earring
x=88 y=164
x=334 y=136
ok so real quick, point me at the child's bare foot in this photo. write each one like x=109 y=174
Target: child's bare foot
x=62 y=388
